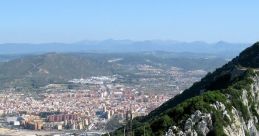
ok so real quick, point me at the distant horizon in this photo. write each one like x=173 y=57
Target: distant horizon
x=130 y=40
x=112 y=46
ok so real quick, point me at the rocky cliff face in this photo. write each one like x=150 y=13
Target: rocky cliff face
x=240 y=125
x=200 y=123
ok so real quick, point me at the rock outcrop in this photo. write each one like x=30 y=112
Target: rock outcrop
x=201 y=123
x=198 y=124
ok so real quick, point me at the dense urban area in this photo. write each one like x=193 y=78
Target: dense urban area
x=98 y=103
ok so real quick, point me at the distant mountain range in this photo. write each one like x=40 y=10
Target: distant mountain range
x=220 y=48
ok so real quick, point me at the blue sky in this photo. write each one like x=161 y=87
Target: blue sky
x=39 y=21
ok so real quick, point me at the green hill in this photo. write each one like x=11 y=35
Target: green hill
x=40 y=70
x=225 y=102
x=34 y=71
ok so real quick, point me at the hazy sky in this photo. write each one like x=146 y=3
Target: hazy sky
x=74 y=20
